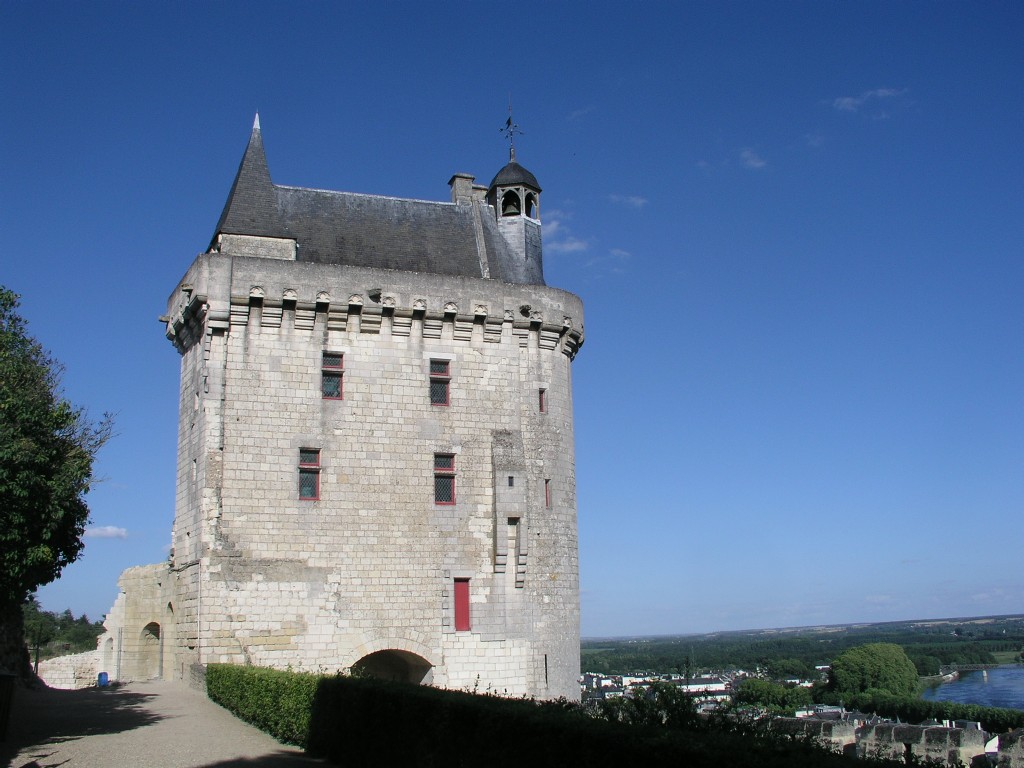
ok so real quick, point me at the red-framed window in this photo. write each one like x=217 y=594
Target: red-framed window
x=462 y=622
x=542 y=400
x=332 y=372
x=444 y=478
x=547 y=494
x=309 y=474
x=440 y=382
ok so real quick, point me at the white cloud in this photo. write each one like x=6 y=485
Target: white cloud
x=751 y=159
x=568 y=245
x=576 y=114
x=630 y=201
x=847 y=104
x=557 y=237
x=612 y=262
x=854 y=103
x=106 y=532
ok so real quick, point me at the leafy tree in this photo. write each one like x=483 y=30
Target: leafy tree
x=47 y=447
x=876 y=666
x=40 y=626
x=774 y=697
x=927 y=664
x=50 y=634
x=780 y=669
x=662 y=704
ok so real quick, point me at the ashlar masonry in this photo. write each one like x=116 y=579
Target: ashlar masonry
x=375 y=449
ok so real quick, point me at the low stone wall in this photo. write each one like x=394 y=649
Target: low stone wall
x=197 y=677
x=945 y=745
x=69 y=672
x=834 y=736
x=1011 y=749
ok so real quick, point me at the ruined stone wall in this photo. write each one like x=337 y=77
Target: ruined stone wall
x=71 y=672
x=835 y=736
x=266 y=578
x=948 y=746
x=140 y=638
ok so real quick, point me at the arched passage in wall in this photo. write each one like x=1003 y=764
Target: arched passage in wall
x=150 y=651
x=399 y=666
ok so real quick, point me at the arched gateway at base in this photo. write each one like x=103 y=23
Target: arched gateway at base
x=398 y=666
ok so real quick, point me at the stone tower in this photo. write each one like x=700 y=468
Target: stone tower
x=375 y=452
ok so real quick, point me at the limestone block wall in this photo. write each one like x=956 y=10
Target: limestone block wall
x=71 y=672
x=948 y=746
x=835 y=736
x=140 y=637
x=370 y=565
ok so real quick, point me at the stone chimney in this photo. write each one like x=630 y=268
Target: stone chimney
x=462 y=187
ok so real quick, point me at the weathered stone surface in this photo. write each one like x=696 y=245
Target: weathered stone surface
x=70 y=672
x=259 y=575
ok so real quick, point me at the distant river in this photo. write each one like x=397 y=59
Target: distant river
x=1000 y=687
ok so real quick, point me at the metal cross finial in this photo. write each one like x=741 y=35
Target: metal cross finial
x=511 y=130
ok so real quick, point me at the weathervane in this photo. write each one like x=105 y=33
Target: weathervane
x=510 y=130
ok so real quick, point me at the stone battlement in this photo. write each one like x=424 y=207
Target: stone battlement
x=427 y=306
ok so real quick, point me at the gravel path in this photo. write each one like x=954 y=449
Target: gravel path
x=138 y=725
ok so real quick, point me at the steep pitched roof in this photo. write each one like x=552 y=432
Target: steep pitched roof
x=251 y=208
x=362 y=230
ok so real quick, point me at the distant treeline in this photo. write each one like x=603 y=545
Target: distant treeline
x=58 y=634
x=795 y=653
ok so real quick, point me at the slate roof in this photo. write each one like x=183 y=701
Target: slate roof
x=361 y=230
x=513 y=175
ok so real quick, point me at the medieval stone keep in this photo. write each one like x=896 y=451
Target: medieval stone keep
x=375 y=451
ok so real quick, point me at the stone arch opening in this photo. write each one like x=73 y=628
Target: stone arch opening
x=395 y=665
x=531 y=205
x=150 y=651
x=510 y=203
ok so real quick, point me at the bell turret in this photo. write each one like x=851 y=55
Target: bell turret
x=515 y=191
x=514 y=195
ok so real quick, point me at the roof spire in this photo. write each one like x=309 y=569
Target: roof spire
x=251 y=207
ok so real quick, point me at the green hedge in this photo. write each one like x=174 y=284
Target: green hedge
x=369 y=722
x=355 y=721
x=274 y=701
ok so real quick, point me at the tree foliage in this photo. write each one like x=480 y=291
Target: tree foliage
x=777 y=654
x=876 y=666
x=47 y=447
x=775 y=697
x=912 y=709
x=58 y=634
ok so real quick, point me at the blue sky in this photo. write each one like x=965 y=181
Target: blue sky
x=796 y=228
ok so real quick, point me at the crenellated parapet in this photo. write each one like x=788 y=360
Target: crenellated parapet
x=417 y=307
